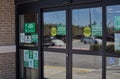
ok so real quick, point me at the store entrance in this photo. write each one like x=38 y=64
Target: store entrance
x=72 y=42
x=68 y=41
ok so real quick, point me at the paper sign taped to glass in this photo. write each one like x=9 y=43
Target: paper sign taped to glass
x=31 y=58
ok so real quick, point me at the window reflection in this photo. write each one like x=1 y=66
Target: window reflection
x=55 y=29
x=87 y=29
x=113 y=28
x=87 y=67
x=54 y=65
x=113 y=68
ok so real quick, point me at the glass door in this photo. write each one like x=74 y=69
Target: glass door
x=72 y=41
x=112 y=42
x=28 y=43
x=54 y=43
x=86 y=42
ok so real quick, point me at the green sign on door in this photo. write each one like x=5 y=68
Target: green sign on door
x=29 y=27
x=31 y=58
x=96 y=30
x=61 y=29
x=34 y=37
x=26 y=58
x=117 y=23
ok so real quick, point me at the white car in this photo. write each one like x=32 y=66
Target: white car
x=99 y=41
x=57 y=42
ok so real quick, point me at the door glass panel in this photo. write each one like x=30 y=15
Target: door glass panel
x=113 y=68
x=28 y=64
x=28 y=30
x=113 y=28
x=54 y=29
x=87 y=67
x=54 y=65
x=87 y=29
x=113 y=41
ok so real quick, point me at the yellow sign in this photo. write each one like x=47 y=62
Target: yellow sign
x=87 y=31
x=53 y=31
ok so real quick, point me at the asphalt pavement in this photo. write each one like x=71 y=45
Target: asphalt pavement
x=84 y=66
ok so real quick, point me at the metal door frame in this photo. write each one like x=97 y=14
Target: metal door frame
x=69 y=51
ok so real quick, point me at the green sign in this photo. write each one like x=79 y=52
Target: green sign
x=35 y=55
x=29 y=27
x=61 y=29
x=26 y=64
x=35 y=58
x=34 y=37
x=31 y=58
x=30 y=54
x=96 y=30
x=117 y=23
x=35 y=63
x=26 y=58
x=31 y=63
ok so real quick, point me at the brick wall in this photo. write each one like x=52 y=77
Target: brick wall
x=7 y=22
x=7 y=66
x=7 y=38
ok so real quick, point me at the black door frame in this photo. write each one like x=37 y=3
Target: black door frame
x=69 y=50
x=57 y=50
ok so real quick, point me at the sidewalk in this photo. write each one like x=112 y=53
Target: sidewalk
x=53 y=72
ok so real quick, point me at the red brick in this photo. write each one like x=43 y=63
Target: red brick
x=7 y=22
x=7 y=37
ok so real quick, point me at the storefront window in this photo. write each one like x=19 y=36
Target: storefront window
x=87 y=29
x=113 y=41
x=54 y=65
x=54 y=29
x=28 y=30
x=113 y=68
x=113 y=28
x=86 y=67
x=28 y=64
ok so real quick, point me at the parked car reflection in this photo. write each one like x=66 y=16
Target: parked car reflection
x=52 y=41
x=57 y=42
x=91 y=40
x=110 y=37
